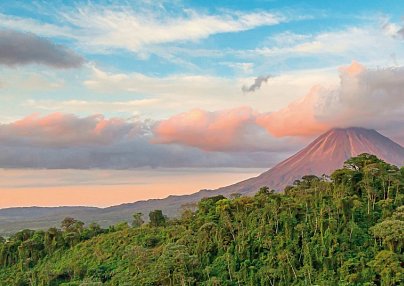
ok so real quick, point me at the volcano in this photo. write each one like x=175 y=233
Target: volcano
x=324 y=155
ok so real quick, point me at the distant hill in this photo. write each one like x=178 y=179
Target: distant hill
x=322 y=156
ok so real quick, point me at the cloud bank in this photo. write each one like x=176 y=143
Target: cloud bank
x=66 y=130
x=19 y=48
x=67 y=141
x=371 y=98
x=226 y=130
x=362 y=98
x=236 y=137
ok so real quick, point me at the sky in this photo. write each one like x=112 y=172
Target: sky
x=145 y=86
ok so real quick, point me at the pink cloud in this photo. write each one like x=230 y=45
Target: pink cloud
x=352 y=70
x=206 y=130
x=64 y=130
x=225 y=130
x=297 y=119
x=242 y=128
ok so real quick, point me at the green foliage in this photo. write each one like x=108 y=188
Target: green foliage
x=157 y=218
x=137 y=220
x=388 y=265
x=347 y=229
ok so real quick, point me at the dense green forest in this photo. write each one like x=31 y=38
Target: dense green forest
x=346 y=229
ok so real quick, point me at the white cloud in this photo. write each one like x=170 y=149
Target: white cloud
x=85 y=106
x=102 y=29
x=177 y=93
x=140 y=83
x=34 y=26
x=372 y=44
x=129 y=29
x=352 y=41
x=240 y=67
x=24 y=79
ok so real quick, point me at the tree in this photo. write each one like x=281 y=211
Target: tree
x=387 y=264
x=391 y=232
x=359 y=162
x=157 y=218
x=175 y=265
x=53 y=240
x=137 y=220
x=70 y=224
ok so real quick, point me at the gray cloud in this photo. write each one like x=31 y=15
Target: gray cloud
x=67 y=141
x=401 y=33
x=370 y=98
x=132 y=154
x=18 y=48
x=257 y=84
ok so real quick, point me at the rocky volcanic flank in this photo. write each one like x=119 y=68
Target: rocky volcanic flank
x=325 y=154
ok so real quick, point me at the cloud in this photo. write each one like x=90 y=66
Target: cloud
x=18 y=48
x=178 y=92
x=365 y=97
x=329 y=47
x=241 y=136
x=297 y=119
x=28 y=81
x=76 y=105
x=257 y=84
x=139 y=83
x=206 y=130
x=361 y=98
x=65 y=130
x=392 y=29
x=243 y=67
x=401 y=32
x=225 y=130
x=43 y=29
x=337 y=42
x=174 y=93
x=134 y=154
x=67 y=141
x=102 y=29
x=126 y=28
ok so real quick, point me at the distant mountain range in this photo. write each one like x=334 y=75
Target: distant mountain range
x=325 y=154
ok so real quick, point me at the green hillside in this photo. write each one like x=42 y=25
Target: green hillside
x=346 y=229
